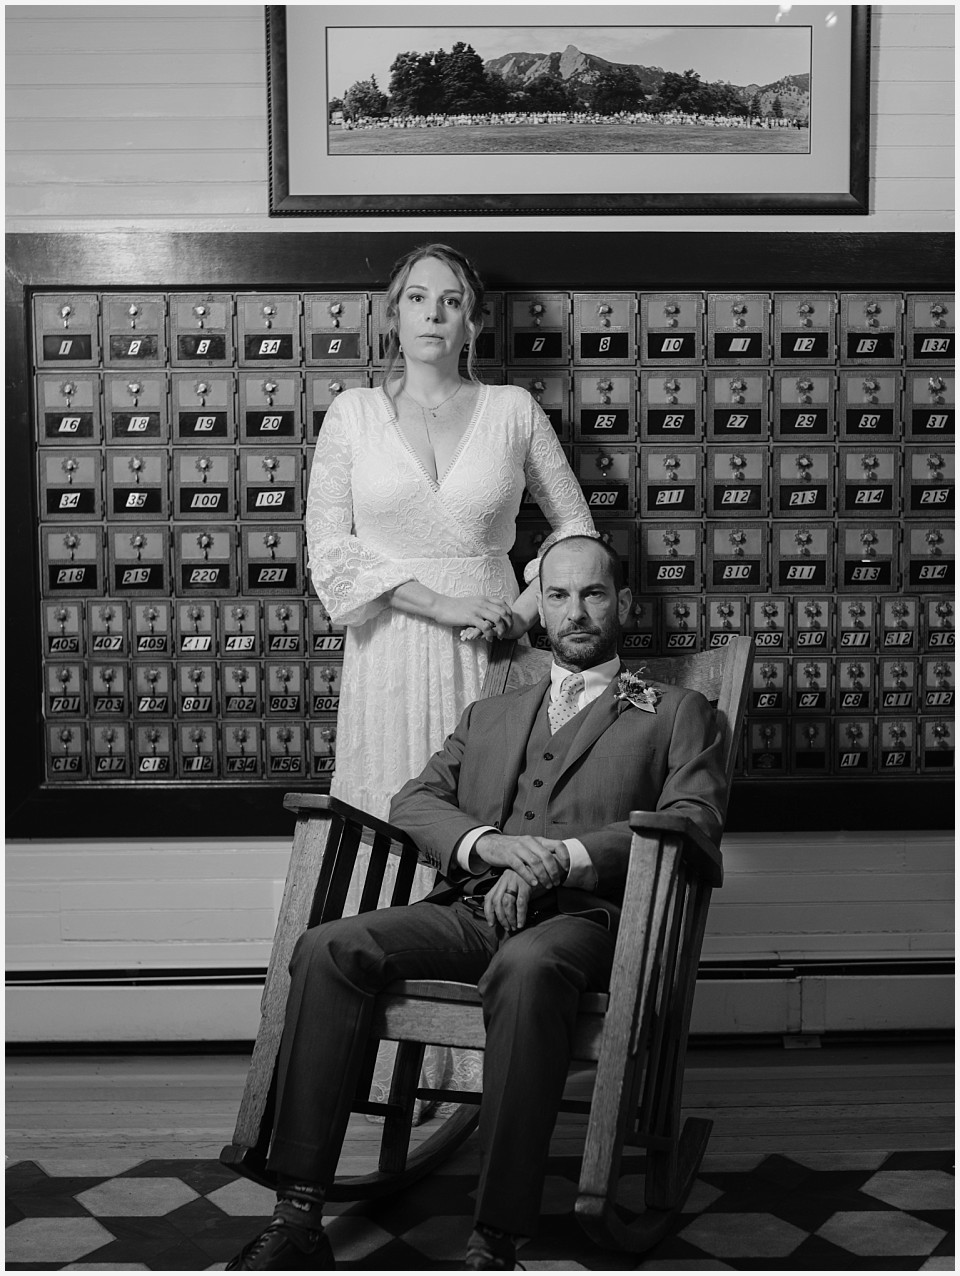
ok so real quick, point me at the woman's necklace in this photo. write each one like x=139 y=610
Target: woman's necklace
x=434 y=410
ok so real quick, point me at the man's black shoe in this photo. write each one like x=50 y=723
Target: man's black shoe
x=281 y=1247
x=490 y=1251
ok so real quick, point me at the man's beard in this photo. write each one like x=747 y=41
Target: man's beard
x=594 y=647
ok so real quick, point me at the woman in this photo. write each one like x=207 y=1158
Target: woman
x=411 y=513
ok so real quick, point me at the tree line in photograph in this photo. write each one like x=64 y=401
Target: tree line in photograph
x=460 y=83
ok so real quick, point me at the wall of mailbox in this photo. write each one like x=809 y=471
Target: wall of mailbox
x=778 y=464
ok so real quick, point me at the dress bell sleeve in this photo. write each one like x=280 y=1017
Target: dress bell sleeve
x=553 y=485
x=350 y=578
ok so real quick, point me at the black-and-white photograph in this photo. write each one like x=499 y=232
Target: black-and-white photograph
x=481 y=637
x=724 y=89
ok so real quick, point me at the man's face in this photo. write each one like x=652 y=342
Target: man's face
x=580 y=608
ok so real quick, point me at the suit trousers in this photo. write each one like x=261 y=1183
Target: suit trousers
x=529 y=983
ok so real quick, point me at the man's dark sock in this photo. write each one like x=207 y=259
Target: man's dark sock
x=502 y=1244
x=300 y=1205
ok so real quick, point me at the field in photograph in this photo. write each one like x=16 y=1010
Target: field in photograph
x=570 y=139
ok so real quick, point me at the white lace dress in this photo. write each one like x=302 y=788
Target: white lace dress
x=375 y=519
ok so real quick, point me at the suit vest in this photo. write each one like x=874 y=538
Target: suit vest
x=542 y=766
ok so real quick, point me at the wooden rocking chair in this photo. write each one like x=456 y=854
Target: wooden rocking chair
x=636 y=1033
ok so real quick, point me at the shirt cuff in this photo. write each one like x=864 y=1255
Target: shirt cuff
x=470 y=863
x=582 y=876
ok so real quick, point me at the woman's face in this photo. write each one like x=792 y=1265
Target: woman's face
x=431 y=322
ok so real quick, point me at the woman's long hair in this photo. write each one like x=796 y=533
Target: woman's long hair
x=472 y=286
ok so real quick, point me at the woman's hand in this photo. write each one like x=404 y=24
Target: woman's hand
x=517 y=628
x=491 y=617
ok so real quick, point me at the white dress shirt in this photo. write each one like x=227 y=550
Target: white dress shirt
x=581 y=875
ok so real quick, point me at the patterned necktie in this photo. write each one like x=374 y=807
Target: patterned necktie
x=564 y=707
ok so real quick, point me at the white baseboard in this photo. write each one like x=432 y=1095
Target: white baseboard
x=217 y=1013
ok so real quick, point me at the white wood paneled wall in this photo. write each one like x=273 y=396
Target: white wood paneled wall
x=106 y=905
x=129 y=909
x=154 y=117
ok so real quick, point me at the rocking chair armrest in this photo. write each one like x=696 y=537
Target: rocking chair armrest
x=699 y=852
x=312 y=803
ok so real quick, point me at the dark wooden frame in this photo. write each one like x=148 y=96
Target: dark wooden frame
x=287 y=203
x=119 y=260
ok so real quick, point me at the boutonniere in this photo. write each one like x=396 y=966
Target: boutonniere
x=631 y=689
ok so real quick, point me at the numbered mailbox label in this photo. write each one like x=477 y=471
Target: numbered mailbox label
x=72 y=560
x=276 y=499
x=934 y=423
x=738 y=345
x=675 y=346
x=70 y=484
x=63 y=629
x=272 y=559
x=202 y=347
x=863 y=347
x=196 y=750
x=614 y=497
x=66 y=329
x=671 y=423
x=153 y=751
x=534 y=346
x=323 y=746
x=930 y=347
x=768 y=692
x=262 y=424
x=804 y=422
x=809 y=347
x=275 y=346
x=66 y=750
x=612 y=346
x=136 y=484
x=206 y=558
x=110 y=751
x=538 y=327
x=738 y=422
x=737 y=556
x=239 y=628
x=195 y=628
x=868 y=422
x=200 y=328
x=283 y=628
x=134 y=348
x=68 y=408
x=196 y=685
x=75 y=347
x=930 y=557
x=334 y=347
x=672 y=556
x=898 y=744
x=930 y=479
x=138 y=559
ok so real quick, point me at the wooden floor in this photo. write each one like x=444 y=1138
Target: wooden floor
x=832 y=1100
x=829 y=1159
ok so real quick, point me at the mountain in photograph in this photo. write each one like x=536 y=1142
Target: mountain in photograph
x=571 y=66
x=579 y=71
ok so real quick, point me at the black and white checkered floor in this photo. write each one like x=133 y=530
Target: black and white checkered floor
x=869 y=1211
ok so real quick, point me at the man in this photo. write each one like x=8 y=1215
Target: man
x=526 y=808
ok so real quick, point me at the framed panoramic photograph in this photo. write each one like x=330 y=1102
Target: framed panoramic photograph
x=491 y=109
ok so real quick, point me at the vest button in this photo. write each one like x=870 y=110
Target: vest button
x=529 y=815
x=538 y=784
x=548 y=757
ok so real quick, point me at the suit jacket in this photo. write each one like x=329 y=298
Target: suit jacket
x=621 y=759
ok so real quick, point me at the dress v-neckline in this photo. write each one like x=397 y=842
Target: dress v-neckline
x=437 y=483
